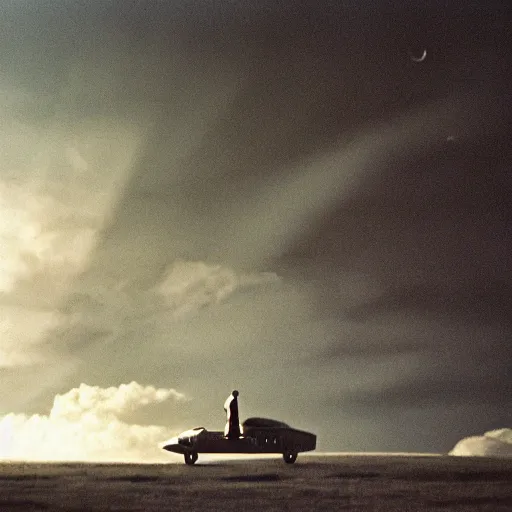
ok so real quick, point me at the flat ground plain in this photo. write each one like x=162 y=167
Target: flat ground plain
x=360 y=483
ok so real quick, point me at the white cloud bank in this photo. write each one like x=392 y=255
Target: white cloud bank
x=85 y=424
x=496 y=443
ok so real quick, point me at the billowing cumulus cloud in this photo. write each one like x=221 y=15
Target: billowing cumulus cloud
x=89 y=423
x=496 y=443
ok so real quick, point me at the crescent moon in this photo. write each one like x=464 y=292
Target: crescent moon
x=420 y=58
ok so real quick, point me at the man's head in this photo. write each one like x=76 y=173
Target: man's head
x=235 y=393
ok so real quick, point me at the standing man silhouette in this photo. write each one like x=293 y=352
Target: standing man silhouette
x=232 y=429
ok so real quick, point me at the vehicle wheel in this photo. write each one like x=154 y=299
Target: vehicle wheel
x=190 y=458
x=290 y=456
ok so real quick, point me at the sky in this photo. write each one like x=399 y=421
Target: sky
x=203 y=196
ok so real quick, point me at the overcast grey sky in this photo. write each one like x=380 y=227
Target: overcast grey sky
x=210 y=195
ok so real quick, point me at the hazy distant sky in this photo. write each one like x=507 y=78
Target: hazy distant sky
x=206 y=195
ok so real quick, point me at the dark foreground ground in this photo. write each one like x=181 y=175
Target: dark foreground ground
x=365 y=483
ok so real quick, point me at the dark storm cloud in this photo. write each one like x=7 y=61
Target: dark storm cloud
x=474 y=302
x=397 y=277
x=372 y=348
x=436 y=390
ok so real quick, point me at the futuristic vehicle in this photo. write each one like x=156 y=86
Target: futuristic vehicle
x=260 y=435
